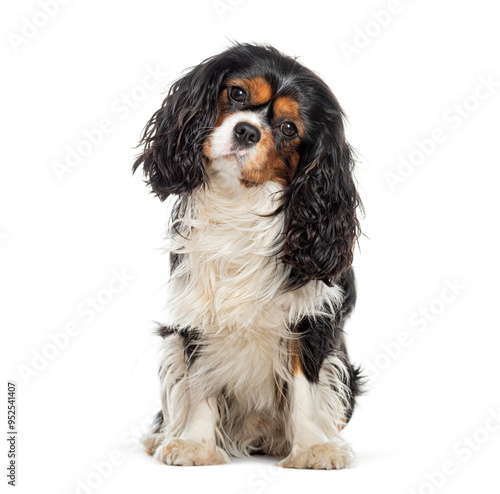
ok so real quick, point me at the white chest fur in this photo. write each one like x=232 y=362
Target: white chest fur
x=230 y=277
x=230 y=286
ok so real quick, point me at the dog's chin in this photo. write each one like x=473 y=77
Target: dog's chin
x=231 y=165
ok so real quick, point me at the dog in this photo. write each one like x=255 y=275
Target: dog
x=261 y=241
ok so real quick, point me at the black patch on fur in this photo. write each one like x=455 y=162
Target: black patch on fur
x=157 y=423
x=175 y=260
x=191 y=340
x=324 y=336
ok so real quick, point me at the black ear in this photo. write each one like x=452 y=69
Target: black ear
x=321 y=226
x=172 y=157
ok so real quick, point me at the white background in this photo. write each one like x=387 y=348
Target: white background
x=62 y=240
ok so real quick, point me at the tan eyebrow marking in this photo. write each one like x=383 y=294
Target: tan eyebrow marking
x=286 y=107
x=259 y=89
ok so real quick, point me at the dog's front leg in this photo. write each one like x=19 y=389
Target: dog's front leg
x=316 y=440
x=196 y=445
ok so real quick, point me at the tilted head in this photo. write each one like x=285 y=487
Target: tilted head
x=258 y=115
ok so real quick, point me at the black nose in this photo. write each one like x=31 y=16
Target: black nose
x=246 y=134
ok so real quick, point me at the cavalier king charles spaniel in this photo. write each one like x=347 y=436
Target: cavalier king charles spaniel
x=261 y=240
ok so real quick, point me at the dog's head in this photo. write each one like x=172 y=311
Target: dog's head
x=259 y=116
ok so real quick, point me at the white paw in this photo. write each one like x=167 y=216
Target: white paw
x=185 y=452
x=325 y=456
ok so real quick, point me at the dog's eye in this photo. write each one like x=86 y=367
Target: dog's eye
x=289 y=129
x=238 y=94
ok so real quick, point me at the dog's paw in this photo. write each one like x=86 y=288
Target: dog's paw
x=185 y=452
x=325 y=456
x=151 y=443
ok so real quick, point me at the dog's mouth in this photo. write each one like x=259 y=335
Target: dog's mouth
x=241 y=152
x=243 y=155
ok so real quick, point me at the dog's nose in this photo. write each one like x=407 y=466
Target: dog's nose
x=246 y=134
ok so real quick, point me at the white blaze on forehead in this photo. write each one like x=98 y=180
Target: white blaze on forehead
x=222 y=136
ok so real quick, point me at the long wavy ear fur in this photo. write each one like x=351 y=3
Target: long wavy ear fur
x=321 y=225
x=172 y=140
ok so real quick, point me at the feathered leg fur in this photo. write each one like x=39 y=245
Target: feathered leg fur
x=311 y=403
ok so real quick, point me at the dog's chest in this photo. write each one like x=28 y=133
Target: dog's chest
x=230 y=278
x=246 y=368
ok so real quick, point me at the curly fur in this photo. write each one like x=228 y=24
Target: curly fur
x=253 y=354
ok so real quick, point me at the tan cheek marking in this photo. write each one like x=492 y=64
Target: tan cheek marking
x=268 y=165
x=262 y=167
x=284 y=170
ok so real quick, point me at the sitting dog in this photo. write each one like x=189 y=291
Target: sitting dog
x=261 y=243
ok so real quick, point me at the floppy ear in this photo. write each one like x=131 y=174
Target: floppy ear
x=172 y=140
x=320 y=205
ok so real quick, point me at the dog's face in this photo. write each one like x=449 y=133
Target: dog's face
x=258 y=115
x=257 y=133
